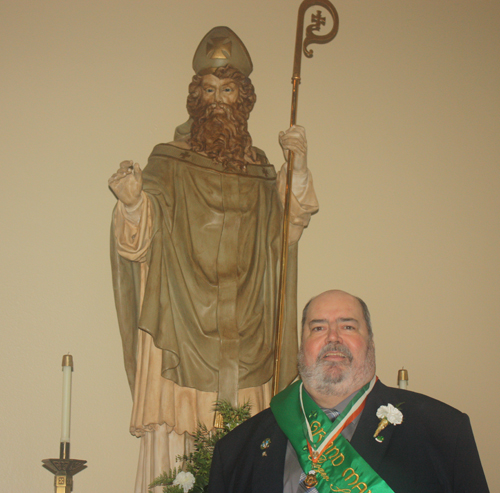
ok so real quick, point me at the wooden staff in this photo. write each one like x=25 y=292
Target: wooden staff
x=317 y=20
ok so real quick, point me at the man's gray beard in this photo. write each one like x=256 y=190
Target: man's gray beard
x=318 y=377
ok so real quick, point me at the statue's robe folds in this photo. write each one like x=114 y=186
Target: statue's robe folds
x=196 y=267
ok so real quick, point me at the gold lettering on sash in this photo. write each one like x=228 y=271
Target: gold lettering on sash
x=362 y=487
x=358 y=486
x=317 y=430
x=327 y=450
x=336 y=489
x=349 y=474
x=356 y=476
x=321 y=471
x=332 y=451
x=321 y=459
x=338 y=460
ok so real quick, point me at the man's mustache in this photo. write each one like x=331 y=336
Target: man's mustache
x=337 y=348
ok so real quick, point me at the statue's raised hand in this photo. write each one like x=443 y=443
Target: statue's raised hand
x=294 y=139
x=126 y=183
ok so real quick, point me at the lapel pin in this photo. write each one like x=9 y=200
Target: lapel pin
x=264 y=446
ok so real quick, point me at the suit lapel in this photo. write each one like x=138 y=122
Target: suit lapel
x=270 y=467
x=370 y=449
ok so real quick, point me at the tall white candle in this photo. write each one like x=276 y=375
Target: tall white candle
x=67 y=368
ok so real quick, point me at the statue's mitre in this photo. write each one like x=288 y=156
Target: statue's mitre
x=220 y=47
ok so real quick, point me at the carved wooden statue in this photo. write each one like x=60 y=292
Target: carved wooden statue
x=195 y=249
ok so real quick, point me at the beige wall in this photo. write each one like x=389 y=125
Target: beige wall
x=402 y=112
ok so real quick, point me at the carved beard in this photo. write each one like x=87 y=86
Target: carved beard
x=221 y=132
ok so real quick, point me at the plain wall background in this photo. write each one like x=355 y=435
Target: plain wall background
x=402 y=115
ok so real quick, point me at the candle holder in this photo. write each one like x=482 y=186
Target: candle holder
x=403 y=378
x=64 y=469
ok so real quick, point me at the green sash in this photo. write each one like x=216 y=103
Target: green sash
x=319 y=445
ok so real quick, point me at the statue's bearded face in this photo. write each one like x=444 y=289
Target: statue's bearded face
x=220 y=104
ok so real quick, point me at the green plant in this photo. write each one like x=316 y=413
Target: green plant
x=198 y=462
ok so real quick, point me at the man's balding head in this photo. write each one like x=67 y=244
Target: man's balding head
x=337 y=354
x=364 y=307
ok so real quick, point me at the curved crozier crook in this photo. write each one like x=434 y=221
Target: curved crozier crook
x=317 y=20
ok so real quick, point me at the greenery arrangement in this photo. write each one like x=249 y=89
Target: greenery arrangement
x=192 y=475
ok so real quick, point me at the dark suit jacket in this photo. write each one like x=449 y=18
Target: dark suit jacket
x=432 y=451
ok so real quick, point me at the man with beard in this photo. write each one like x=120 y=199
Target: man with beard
x=195 y=255
x=340 y=429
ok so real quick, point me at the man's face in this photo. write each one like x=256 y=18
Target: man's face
x=216 y=91
x=337 y=355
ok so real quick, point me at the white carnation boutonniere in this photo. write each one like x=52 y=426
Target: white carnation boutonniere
x=388 y=415
x=185 y=480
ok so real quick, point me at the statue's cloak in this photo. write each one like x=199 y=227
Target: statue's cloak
x=211 y=289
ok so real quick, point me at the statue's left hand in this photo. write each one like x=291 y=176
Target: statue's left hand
x=294 y=139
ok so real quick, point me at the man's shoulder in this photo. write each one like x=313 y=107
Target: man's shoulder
x=250 y=458
x=434 y=444
x=252 y=433
x=416 y=404
x=262 y=423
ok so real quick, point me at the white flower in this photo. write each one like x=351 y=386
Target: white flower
x=391 y=413
x=184 y=479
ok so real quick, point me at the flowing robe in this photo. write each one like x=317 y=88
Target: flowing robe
x=196 y=268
